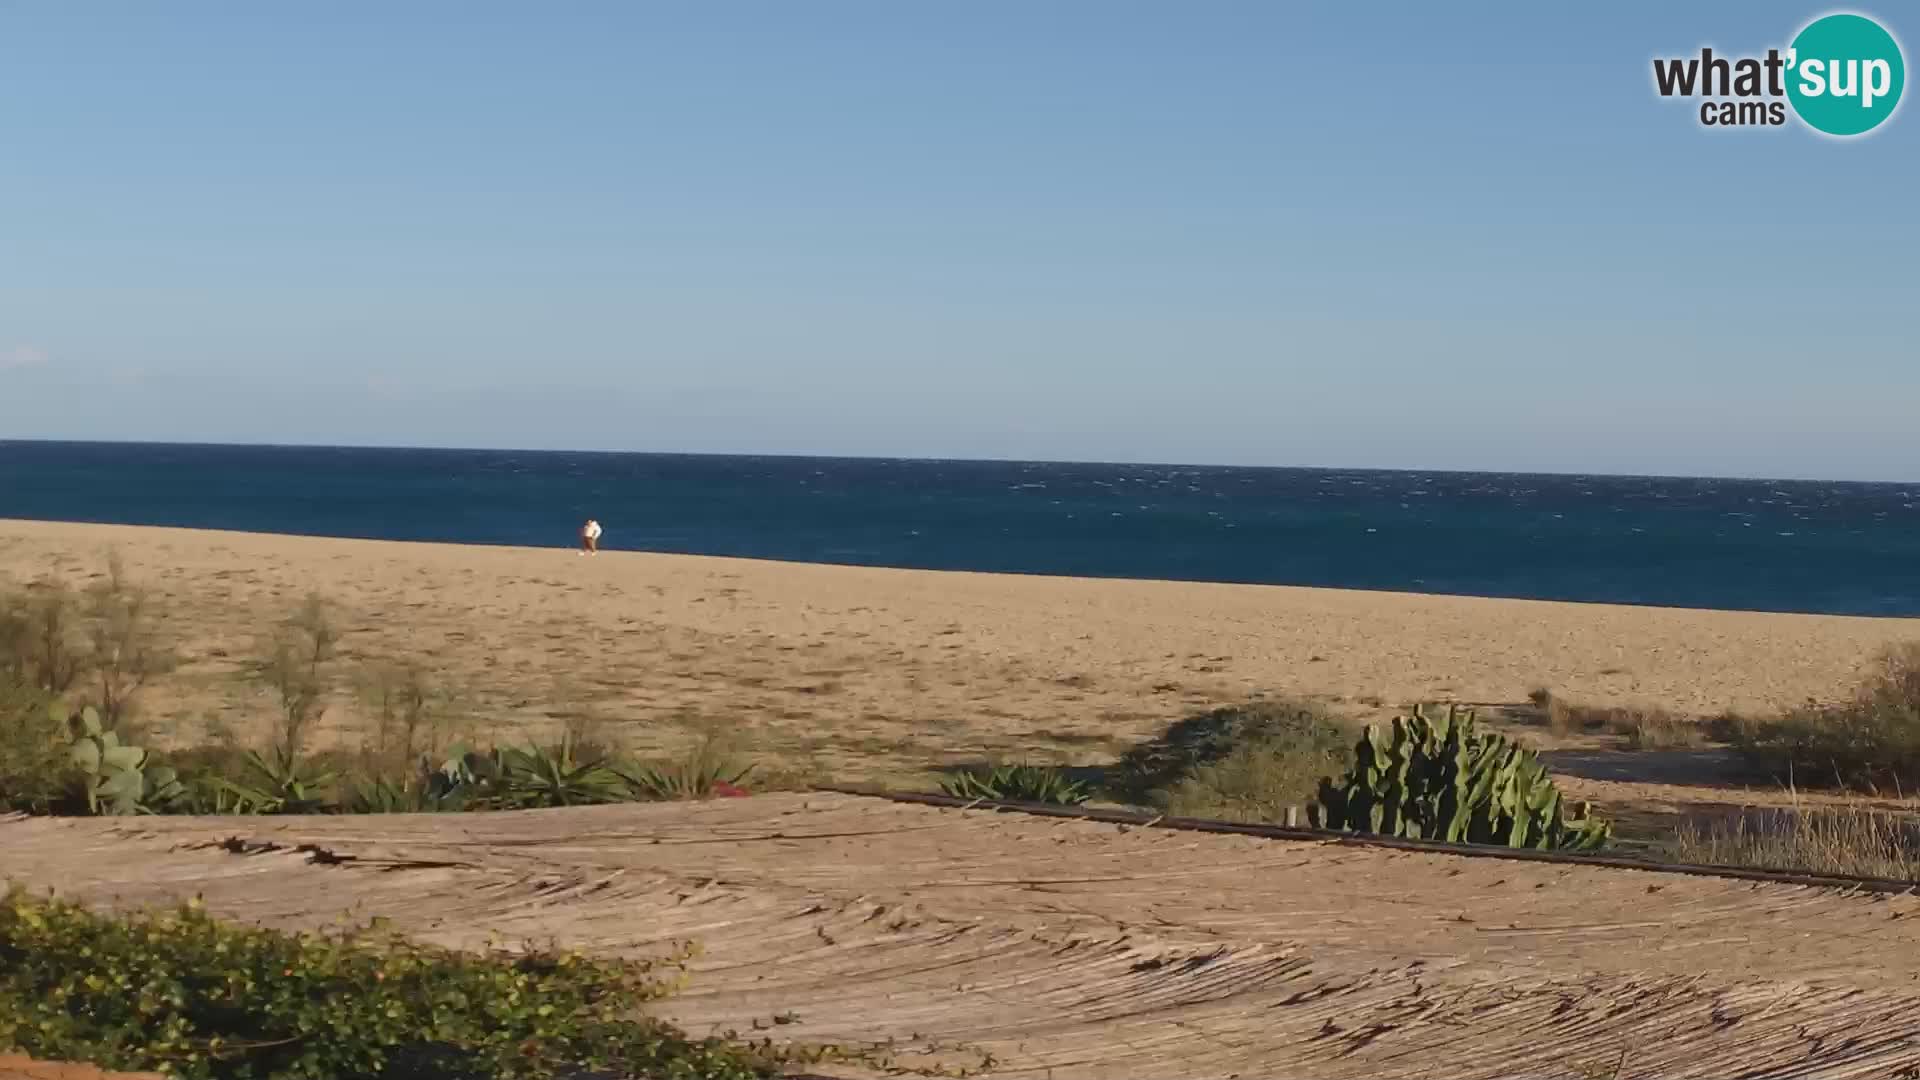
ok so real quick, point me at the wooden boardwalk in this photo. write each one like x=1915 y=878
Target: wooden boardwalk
x=1068 y=949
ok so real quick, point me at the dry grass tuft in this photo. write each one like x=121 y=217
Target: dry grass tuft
x=1847 y=839
x=1643 y=727
x=1246 y=763
x=1653 y=728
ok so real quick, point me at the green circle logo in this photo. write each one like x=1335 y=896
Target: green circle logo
x=1845 y=74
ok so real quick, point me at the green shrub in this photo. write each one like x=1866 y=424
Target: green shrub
x=199 y=998
x=36 y=767
x=1437 y=777
x=1245 y=763
x=1869 y=743
x=1256 y=783
x=1017 y=783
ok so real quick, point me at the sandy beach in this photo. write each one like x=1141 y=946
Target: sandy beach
x=1018 y=947
x=866 y=672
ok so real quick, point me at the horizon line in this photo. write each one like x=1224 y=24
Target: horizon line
x=798 y=455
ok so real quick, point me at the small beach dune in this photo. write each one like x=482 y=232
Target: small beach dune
x=863 y=671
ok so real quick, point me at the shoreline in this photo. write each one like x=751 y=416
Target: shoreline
x=874 y=671
x=757 y=560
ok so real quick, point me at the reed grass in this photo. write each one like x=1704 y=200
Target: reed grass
x=1849 y=838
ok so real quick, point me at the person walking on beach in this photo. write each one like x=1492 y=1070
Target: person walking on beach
x=590 y=538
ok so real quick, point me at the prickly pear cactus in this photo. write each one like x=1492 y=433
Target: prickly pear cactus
x=116 y=777
x=1433 y=776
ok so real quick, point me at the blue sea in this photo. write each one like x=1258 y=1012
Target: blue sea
x=1848 y=548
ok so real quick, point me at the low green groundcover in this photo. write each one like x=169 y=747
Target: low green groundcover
x=191 y=996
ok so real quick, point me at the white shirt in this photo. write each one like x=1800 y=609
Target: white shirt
x=593 y=530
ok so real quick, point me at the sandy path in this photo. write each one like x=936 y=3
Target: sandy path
x=874 y=670
x=1069 y=949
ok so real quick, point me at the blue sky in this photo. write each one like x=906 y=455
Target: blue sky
x=1419 y=235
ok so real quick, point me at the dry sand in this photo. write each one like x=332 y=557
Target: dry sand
x=871 y=673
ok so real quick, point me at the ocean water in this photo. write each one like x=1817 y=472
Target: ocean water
x=1760 y=545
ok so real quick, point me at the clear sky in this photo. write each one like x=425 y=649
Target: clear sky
x=1355 y=234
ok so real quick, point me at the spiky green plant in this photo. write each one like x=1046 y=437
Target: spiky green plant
x=280 y=783
x=421 y=795
x=1435 y=777
x=543 y=776
x=520 y=778
x=708 y=768
x=1017 y=783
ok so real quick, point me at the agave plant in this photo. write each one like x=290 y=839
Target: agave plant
x=281 y=784
x=212 y=795
x=1018 y=783
x=383 y=796
x=535 y=776
x=462 y=780
x=378 y=796
x=705 y=771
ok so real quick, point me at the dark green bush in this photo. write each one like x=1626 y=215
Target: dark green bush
x=1017 y=783
x=1869 y=743
x=1245 y=763
x=199 y=998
